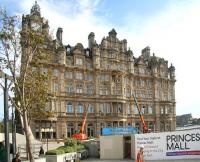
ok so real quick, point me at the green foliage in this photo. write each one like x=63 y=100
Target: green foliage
x=80 y=147
x=71 y=142
x=71 y=145
x=55 y=152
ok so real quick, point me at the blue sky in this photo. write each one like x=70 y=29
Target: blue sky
x=169 y=27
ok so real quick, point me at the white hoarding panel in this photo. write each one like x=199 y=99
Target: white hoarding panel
x=169 y=145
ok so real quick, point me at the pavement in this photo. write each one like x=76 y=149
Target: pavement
x=131 y=160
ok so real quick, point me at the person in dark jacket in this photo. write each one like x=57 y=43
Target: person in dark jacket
x=17 y=158
x=41 y=151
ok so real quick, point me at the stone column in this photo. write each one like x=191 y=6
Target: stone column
x=61 y=129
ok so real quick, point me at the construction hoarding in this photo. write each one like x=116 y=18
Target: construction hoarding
x=169 y=145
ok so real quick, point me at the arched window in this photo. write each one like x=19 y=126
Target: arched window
x=69 y=108
x=80 y=108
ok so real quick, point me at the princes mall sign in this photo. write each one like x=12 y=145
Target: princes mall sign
x=170 y=145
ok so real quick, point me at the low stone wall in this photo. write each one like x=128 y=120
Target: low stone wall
x=43 y=159
x=62 y=157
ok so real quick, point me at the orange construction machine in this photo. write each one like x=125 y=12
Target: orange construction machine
x=81 y=135
x=145 y=128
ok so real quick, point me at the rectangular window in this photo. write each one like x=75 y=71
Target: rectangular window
x=103 y=90
x=69 y=74
x=149 y=83
x=56 y=72
x=56 y=87
x=34 y=69
x=142 y=83
x=69 y=108
x=44 y=70
x=135 y=110
x=104 y=107
x=89 y=65
x=90 y=108
x=90 y=90
x=69 y=60
x=104 y=77
x=79 y=88
x=79 y=75
x=79 y=61
x=149 y=94
x=69 y=88
x=89 y=77
x=143 y=109
x=128 y=109
x=128 y=92
x=143 y=94
x=141 y=70
x=162 y=109
x=119 y=108
x=167 y=110
x=150 y=109
x=118 y=90
x=80 y=108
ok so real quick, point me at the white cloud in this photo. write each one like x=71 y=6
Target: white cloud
x=173 y=34
x=77 y=19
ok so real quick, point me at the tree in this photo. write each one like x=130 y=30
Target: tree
x=20 y=56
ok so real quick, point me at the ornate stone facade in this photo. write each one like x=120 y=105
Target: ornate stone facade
x=103 y=78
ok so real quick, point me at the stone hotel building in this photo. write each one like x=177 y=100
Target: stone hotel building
x=103 y=78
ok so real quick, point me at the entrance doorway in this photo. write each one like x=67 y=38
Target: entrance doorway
x=127 y=147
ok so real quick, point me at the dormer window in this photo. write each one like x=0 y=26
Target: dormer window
x=68 y=48
x=87 y=52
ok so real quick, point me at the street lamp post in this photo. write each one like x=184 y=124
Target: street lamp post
x=6 y=117
x=48 y=132
x=13 y=132
x=170 y=124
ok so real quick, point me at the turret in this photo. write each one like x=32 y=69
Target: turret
x=146 y=53
x=129 y=54
x=124 y=45
x=112 y=33
x=172 y=72
x=35 y=10
x=91 y=40
x=45 y=27
x=59 y=34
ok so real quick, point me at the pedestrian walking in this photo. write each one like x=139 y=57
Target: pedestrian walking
x=17 y=158
x=140 y=154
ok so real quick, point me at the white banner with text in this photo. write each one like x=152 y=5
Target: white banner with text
x=169 y=145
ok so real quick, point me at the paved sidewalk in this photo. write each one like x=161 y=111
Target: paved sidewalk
x=129 y=160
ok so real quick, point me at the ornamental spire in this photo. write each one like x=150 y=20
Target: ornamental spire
x=35 y=9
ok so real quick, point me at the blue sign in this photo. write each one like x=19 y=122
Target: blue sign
x=119 y=130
